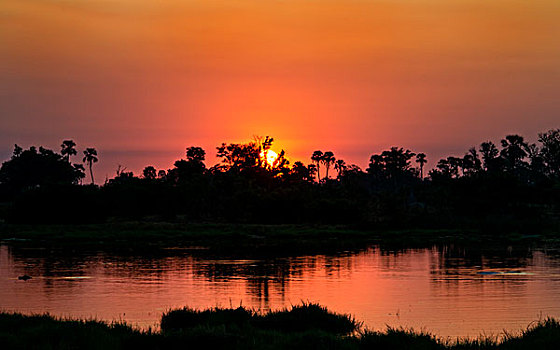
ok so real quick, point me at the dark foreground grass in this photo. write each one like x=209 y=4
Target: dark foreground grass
x=307 y=326
x=299 y=318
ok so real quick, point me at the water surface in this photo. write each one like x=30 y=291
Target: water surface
x=446 y=290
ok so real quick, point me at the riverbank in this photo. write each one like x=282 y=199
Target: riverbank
x=307 y=326
x=239 y=237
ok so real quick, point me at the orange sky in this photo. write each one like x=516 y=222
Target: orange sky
x=143 y=79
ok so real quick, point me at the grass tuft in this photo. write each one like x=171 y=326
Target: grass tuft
x=185 y=318
x=308 y=316
x=299 y=318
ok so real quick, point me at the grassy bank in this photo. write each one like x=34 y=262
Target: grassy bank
x=307 y=326
x=240 y=237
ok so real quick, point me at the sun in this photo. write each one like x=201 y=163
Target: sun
x=271 y=157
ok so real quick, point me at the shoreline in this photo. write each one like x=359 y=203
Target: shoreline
x=220 y=235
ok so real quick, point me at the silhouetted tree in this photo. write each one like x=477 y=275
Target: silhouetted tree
x=126 y=178
x=300 y=172
x=392 y=164
x=447 y=168
x=489 y=153
x=354 y=180
x=185 y=169
x=250 y=158
x=264 y=146
x=280 y=164
x=243 y=189
x=514 y=151
x=471 y=162
x=328 y=160
x=67 y=149
x=239 y=157
x=397 y=161
x=442 y=170
x=352 y=169
x=421 y=160
x=90 y=157
x=312 y=168
x=340 y=166
x=550 y=151
x=317 y=158
x=455 y=164
x=376 y=166
x=79 y=168
x=31 y=168
x=196 y=154
x=119 y=169
x=195 y=160
x=17 y=151
x=149 y=172
x=537 y=165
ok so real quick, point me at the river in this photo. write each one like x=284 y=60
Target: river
x=449 y=291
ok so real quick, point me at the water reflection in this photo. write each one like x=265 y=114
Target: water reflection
x=450 y=290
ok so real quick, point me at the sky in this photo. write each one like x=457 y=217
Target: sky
x=141 y=80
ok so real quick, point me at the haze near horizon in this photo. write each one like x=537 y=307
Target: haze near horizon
x=141 y=80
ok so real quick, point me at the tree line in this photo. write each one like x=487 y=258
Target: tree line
x=500 y=184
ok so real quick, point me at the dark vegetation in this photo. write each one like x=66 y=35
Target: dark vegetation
x=512 y=187
x=245 y=240
x=307 y=326
x=299 y=318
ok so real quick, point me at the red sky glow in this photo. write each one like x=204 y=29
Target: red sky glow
x=140 y=80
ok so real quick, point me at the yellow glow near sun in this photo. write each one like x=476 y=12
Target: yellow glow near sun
x=270 y=157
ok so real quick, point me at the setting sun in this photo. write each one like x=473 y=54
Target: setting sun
x=271 y=157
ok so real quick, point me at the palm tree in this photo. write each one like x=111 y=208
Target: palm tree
x=90 y=157
x=68 y=149
x=514 y=151
x=421 y=159
x=328 y=160
x=316 y=158
x=340 y=166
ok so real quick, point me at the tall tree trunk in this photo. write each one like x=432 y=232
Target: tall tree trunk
x=91 y=172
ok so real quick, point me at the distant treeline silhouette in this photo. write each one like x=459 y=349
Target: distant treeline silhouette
x=511 y=186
